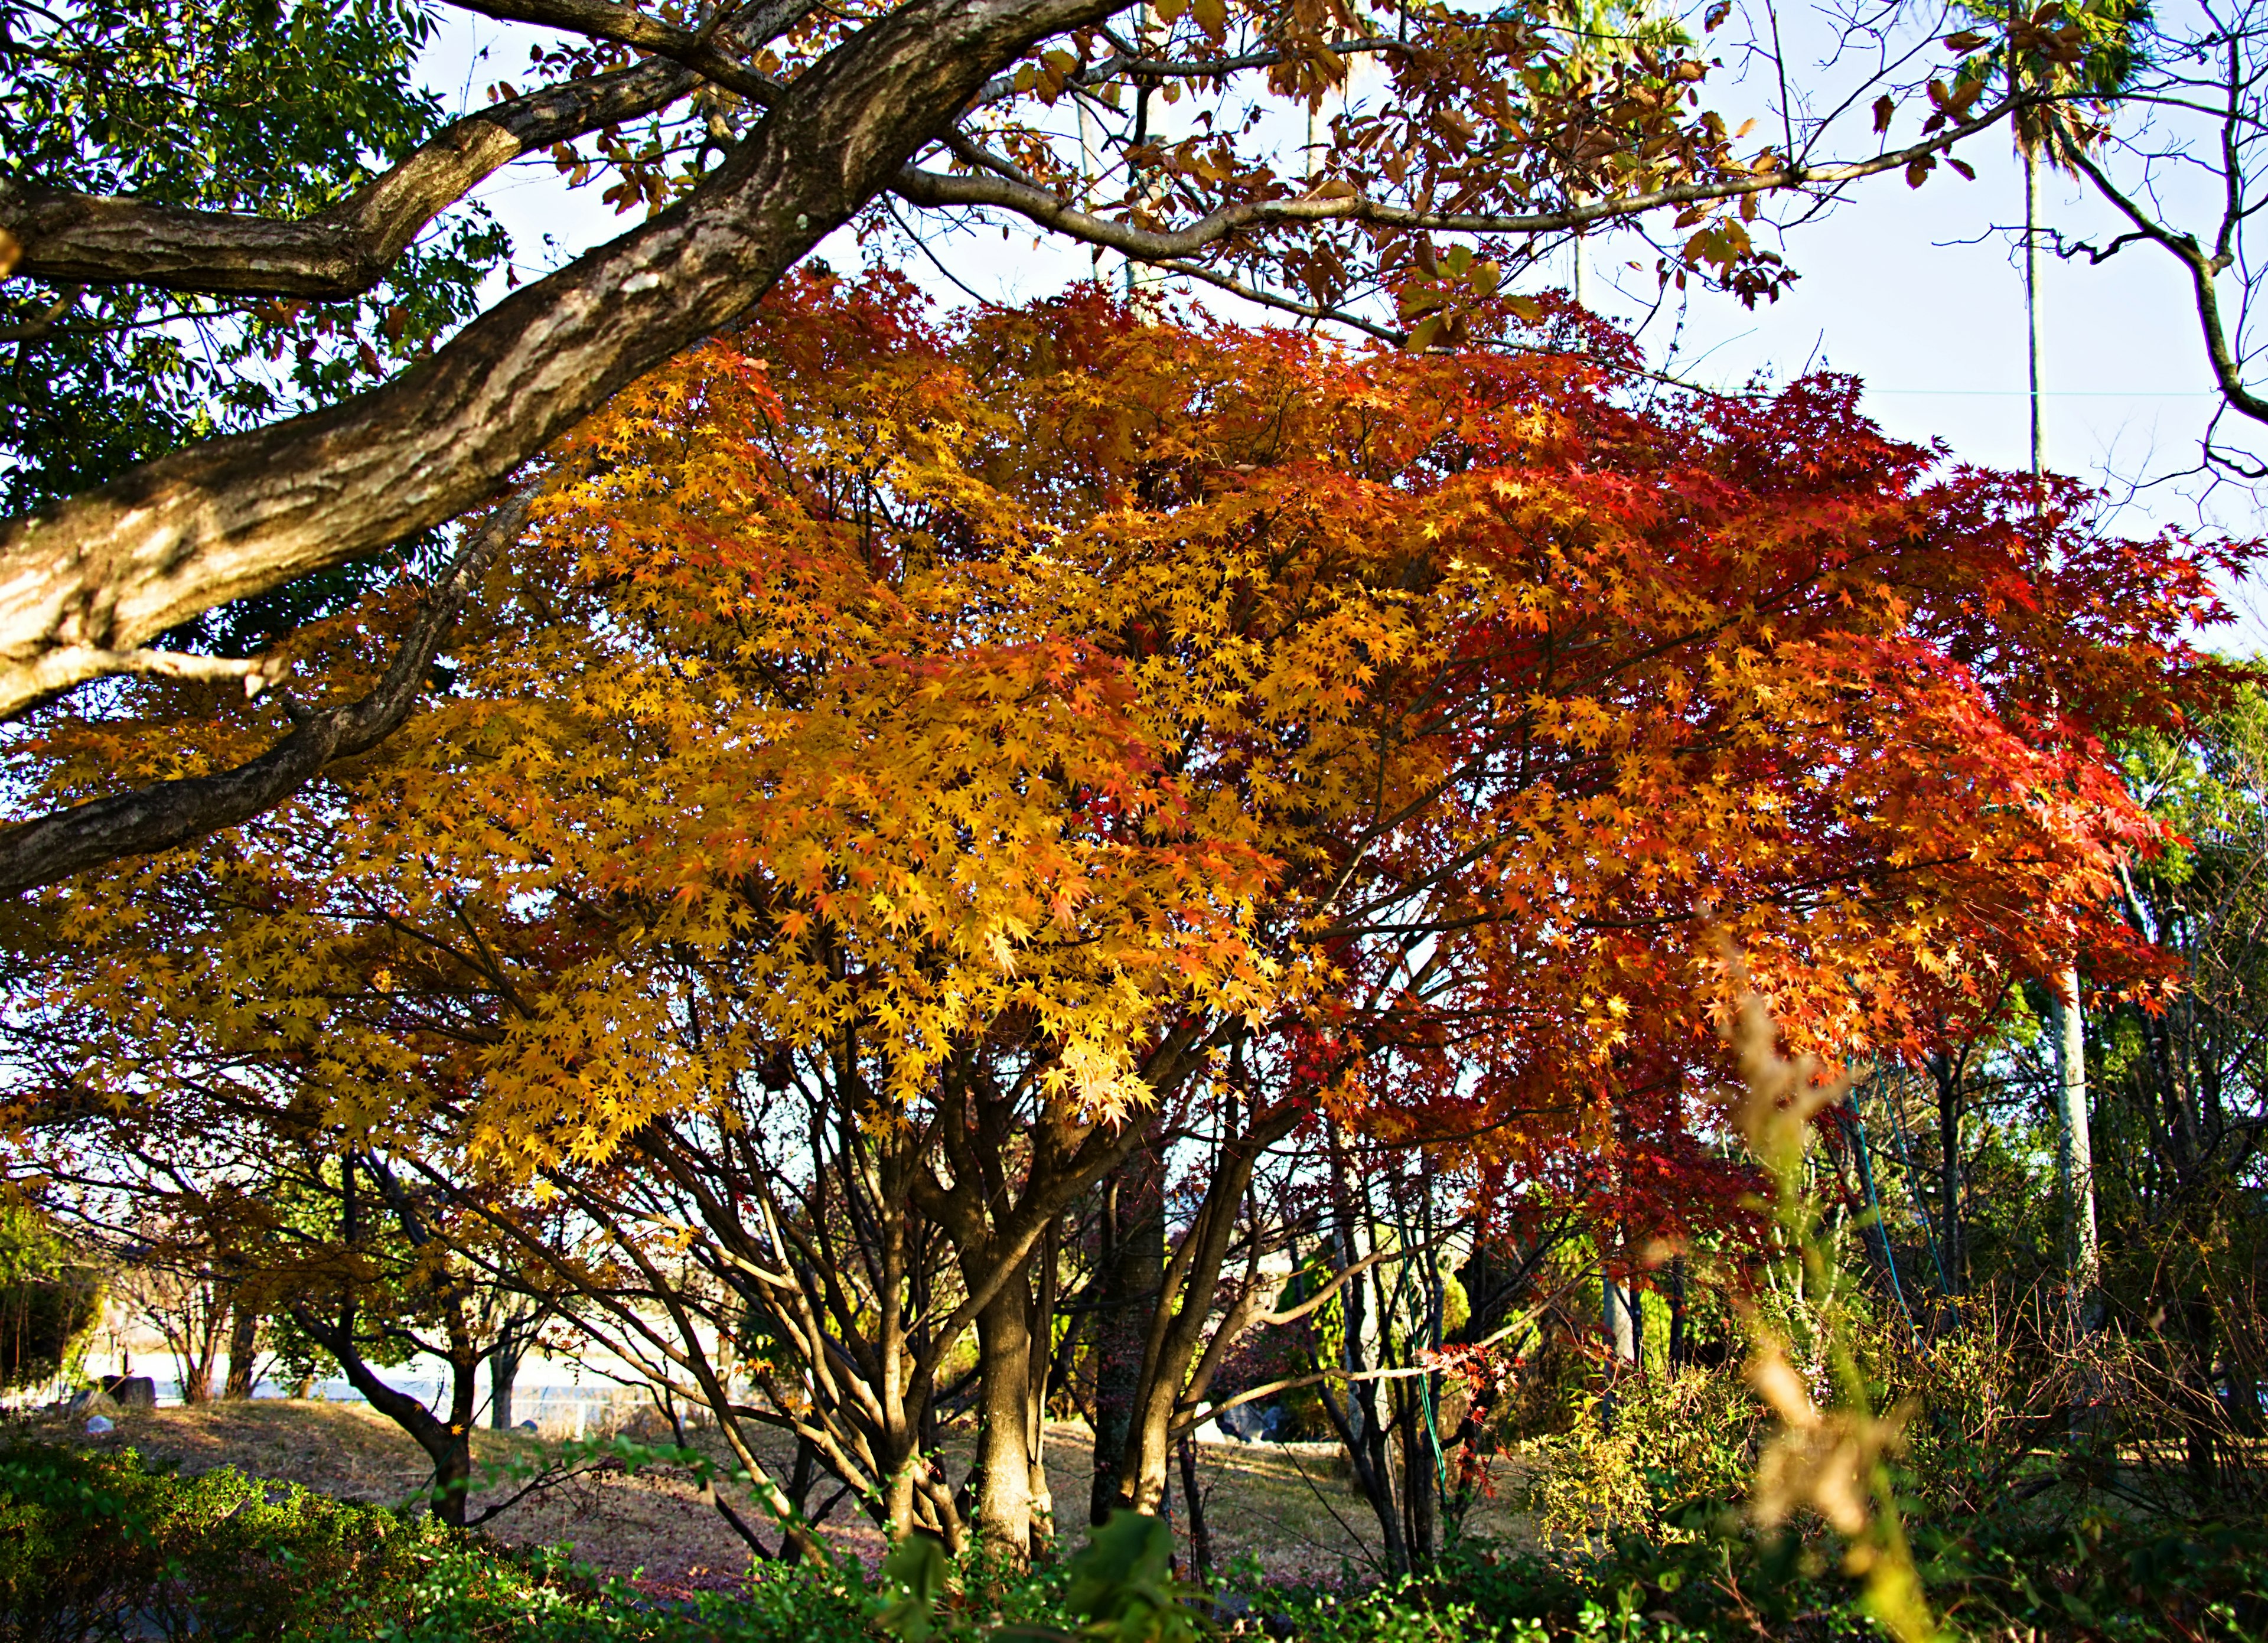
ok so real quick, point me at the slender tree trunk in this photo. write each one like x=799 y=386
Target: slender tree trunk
x=200 y=1346
x=1946 y=1071
x=503 y=1370
x=2076 y=1150
x=2243 y=1375
x=800 y=1480
x=1200 y=1536
x=1365 y=1437
x=1420 y=1506
x=1041 y=1360
x=448 y=1444
x=2032 y=299
x=1423 y=1460
x=1677 y=1343
x=2197 y=1396
x=243 y=1347
x=1621 y=1334
x=1133 y=1268
x=2075 y=1159
x=1359 y=1425
x=1188 y=1335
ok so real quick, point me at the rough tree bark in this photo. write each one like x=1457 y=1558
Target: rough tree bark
x=243 y=1346
x=1133 y=1261
x=158 y=817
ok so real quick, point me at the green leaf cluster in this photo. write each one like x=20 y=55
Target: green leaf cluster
x=246 y=106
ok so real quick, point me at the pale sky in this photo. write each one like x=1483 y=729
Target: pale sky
x=1910 y=290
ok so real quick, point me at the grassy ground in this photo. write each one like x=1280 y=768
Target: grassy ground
x=1292 y=1510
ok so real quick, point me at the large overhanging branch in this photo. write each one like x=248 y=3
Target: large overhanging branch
x=68 y=237
x=65 y=238
x=159 y=817
x=106 y=570
x=939 y=190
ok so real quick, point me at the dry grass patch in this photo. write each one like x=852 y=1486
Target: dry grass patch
x=1291 y=1509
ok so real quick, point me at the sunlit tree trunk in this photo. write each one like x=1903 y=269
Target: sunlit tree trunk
x=2075 y=1154
x=1003 y=1356
x=1619 y=1316
x=2076 y=1150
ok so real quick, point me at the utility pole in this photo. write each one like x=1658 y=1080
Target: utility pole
x=2031 y=158
x=2075 y=1145
x=1141 y=134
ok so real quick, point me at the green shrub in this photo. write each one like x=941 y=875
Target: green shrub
x=461 y=1591
x=97 y=1545
x=1670 y=1439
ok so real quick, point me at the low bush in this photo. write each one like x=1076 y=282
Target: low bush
x=96 y=1546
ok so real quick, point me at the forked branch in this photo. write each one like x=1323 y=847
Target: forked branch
x=159 y=817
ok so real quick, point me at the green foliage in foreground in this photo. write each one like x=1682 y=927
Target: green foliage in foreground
x=96 y=1546
x=99 y=1546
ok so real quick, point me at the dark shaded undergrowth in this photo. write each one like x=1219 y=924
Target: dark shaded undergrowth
x=97 y=1545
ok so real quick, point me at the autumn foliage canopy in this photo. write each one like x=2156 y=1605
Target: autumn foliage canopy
x=1081 y=675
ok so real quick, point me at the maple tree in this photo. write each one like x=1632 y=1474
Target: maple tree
x=321 y=238
x=223 y=1199
x=905 y=755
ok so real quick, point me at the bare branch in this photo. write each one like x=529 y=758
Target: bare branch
x=599 y=19
x=2202 y=267
x=937 y=190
